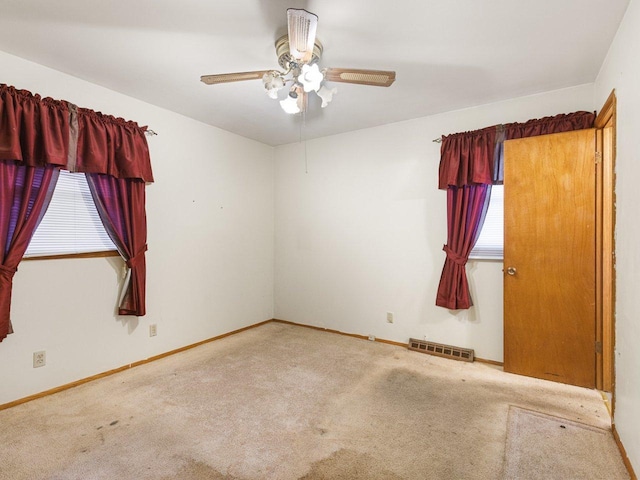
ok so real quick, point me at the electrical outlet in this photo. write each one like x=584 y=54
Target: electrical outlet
x=153 y=330
x=389 y=317
x=39 y=359
x=372 y=338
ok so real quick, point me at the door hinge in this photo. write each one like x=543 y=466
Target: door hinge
x=598 y=347
x=598 y=157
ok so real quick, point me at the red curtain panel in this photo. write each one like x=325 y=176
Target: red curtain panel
x=25 y=193
x=466 y=210
x=121 y=205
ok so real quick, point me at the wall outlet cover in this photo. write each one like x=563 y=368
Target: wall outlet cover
x=39 y=359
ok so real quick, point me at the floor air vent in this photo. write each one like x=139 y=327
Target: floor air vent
x=447 y=351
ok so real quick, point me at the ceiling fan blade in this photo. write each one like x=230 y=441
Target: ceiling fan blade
x=302 y=33
x=376 y=78
x=232 y=77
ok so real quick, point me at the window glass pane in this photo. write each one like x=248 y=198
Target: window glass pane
x=71 y=224
x=491 y=240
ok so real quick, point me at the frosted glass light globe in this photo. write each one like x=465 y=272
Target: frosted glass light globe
x=290 y=105
x=310 y=78
x=272 y=82
x=326 y=94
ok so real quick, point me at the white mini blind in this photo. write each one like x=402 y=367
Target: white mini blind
x=71 y=224
x=490 y=244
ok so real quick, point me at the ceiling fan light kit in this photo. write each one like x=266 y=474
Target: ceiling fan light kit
x=298 y=54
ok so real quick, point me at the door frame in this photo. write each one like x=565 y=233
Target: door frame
x=605 y=245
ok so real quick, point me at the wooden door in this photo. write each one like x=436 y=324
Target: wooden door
x=549 y=257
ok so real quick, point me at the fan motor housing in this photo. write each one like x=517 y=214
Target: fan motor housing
x=284 y=55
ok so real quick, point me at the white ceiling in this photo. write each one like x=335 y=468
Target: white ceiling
x=448 y=54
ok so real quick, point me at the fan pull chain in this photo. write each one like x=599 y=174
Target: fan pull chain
x=303 y=122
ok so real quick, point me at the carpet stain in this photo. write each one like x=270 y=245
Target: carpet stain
x=349 y=465
x=196 y=470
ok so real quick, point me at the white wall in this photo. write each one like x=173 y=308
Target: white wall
x=361 y=233
x=209 y=264
x=621 y=70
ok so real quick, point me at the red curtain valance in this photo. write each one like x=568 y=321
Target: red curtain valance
x=544 y=126
x=33 y=130
x=469 y=158
x=39 y=132
x=112 y=146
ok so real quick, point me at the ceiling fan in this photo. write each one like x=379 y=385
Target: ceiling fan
x=298 y=54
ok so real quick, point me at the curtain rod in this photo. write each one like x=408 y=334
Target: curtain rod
x=150 y=132
x=437 y=140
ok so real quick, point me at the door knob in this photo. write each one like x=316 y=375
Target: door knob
x=511 y=270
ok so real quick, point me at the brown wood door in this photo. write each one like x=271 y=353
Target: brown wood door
x=549 y=257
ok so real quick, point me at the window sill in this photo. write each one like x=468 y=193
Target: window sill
x=110 y=253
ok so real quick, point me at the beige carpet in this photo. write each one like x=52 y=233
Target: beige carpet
x=286 y=402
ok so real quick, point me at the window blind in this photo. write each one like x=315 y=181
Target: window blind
x=490 y=244
x=71 y=224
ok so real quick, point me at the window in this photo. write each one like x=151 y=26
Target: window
x=491 y=241
x=71 y=224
